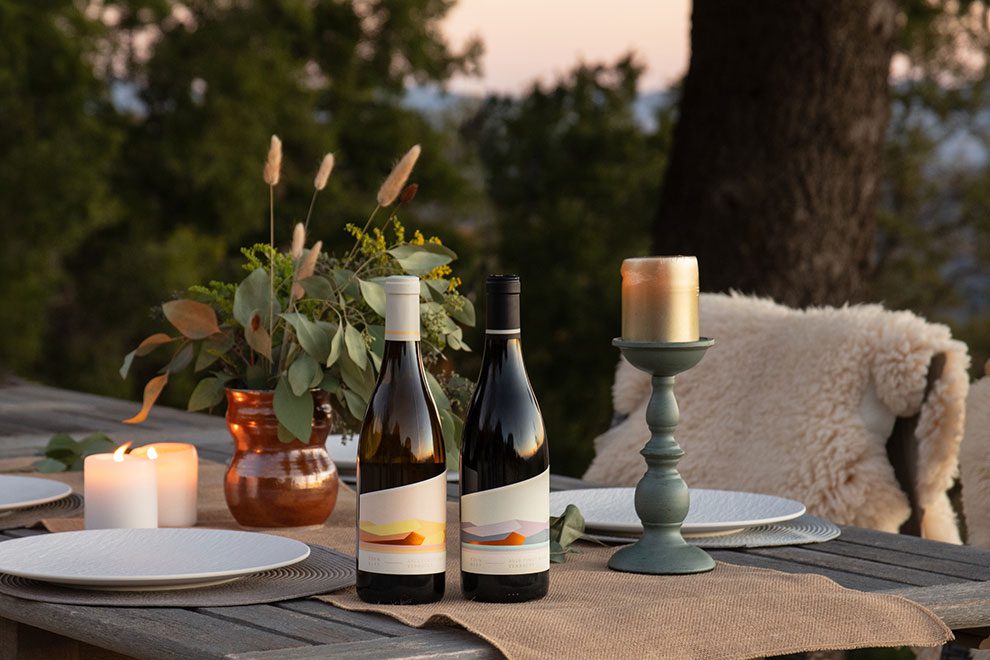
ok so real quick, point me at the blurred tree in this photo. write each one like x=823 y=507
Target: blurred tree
x=199 y=88
x=933 y=240
x=572 y=176
x=774 y=172
x=59 y=142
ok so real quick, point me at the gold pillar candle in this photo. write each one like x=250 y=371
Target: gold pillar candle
x=660 y=299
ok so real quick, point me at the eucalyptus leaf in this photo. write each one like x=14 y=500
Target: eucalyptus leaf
x=257 y=336
x=465 y=314
x=439 y=396
x=212 y=349
x=346 y=283
x=49 y=466
x=356 y=348
x=208 y=393
x=374 y=295
x=317 y=286
x=256 y=376
x=421 y=259
x=304 y=373
x=361 y=381
x=293 y=411
x=313 y=338
x=152 y=389
x=193 y=319
x=565 y=530
x=144 y=348
x=377 y=334
x=284 y=434
x=449 y=426
x=96 y=443
x=356 y=405
x=335 y=342
x=182 y=359
x=61 y=444
x=330 y=382
x=254 y=293
x=433 y=289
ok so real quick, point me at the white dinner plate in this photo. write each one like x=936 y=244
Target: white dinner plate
x=712 y=512
x=343 y=453
x=147 y=559
x=22 y=492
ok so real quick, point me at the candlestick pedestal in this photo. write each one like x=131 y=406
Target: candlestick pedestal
x=662 y=495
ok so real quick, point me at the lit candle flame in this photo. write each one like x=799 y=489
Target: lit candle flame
x=152 y=454
x=121 y=450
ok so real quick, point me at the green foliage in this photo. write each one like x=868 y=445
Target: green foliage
x=63 y=453
x=564 y=531
x=574 y=179
x=329 y=336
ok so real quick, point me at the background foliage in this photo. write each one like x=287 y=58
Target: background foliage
x=134 y=132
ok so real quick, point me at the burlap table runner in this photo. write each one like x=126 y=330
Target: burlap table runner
x=592 y=612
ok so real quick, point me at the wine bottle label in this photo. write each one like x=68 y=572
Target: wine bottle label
x=506 y=531
x=403 y=531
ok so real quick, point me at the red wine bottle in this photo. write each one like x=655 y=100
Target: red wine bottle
x=505 y=467
x=401 y=469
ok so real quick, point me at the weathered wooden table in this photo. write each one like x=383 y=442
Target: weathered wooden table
x=949 y=580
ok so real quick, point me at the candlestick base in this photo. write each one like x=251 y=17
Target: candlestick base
x=661 y=495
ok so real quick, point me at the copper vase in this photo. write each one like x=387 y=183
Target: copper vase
x=271 y=483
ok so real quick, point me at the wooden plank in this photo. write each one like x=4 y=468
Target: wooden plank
x=447 y=644
x=848 y=580
x=806 y=555
x=960 y=606
x=301 y=626
x=153 y=633
x=966 y=554
x=377 y=624
x=897 y=558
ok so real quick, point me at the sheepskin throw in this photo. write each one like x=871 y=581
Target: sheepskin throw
x=974 y=464
x=800 y=403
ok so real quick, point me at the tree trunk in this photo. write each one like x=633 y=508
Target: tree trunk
x=774 y=173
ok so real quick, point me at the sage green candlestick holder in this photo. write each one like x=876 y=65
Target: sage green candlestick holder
x=661 y=495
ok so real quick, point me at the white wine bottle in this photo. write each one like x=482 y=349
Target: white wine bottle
x=505 y=467
x=401 y=468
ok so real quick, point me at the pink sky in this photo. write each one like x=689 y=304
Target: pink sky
x=529 y=39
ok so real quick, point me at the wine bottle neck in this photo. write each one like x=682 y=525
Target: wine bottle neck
x=502 y=315
x=502 y=351
x=400 y=351
x=402 y=309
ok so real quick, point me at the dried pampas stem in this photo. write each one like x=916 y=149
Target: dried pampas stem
x=273 y=169
x=298 y=241
x=307 y=269
x=319 y=183
x=392 y=186
x=323 y=174
x=273 y=164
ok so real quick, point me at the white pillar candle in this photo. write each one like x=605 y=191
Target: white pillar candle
x=121 y=491
x=177 y=465
x=660 y=299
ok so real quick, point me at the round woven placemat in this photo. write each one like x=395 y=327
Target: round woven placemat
x=325 y=570
x=806 y=529
x=67 y=507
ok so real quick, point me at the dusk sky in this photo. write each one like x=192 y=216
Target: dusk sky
x=526 y=39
